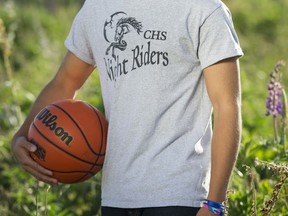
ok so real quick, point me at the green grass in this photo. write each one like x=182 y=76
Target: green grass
x=36 y=35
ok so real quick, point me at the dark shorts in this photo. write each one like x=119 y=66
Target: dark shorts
x=155 y=211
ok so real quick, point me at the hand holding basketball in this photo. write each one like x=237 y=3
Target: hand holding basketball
x=22 y=148
x=70 y=136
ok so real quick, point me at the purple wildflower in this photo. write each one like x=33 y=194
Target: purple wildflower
x=274 y=103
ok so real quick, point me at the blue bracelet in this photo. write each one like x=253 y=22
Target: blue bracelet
x=213 y=204
x=216 y=211
x=214 y=207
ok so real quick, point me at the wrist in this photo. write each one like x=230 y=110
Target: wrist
x=16 y=139
x=218 y=196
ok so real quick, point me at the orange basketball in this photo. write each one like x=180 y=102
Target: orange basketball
x=70 y=136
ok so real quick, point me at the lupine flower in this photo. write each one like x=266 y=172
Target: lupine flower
x=274 y=100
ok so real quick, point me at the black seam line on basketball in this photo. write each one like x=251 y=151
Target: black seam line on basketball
x=87 y=142
x=102 y=131
x=74 y=171
x=83 y=177
x=88 y=162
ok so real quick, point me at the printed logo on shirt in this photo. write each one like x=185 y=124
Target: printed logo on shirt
x=115 y=30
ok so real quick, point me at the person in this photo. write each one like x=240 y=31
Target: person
x=164 y=66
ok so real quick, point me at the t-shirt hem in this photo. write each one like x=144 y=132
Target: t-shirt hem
x=76 y=52
x=151 y=204
x=238 y=53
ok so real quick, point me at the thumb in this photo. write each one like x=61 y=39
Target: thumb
x=31 y=146
x=28 y=145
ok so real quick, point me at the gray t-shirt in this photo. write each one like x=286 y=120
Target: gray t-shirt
x=150 y=56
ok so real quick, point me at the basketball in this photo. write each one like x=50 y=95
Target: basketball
x=70 y=136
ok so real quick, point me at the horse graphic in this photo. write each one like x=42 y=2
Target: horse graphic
x=115 y=29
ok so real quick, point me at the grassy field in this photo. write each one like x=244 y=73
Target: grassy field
x=31 y=48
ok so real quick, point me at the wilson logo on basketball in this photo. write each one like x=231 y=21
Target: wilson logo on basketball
x=49 y=120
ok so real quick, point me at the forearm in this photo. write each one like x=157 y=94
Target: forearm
x=225 y=142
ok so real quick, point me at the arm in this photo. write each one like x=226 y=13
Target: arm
x=223 y=86
x=71 y=75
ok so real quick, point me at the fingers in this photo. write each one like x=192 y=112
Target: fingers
x=22 y=149
x=40 y=173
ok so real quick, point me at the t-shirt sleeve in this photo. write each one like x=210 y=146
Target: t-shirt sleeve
x=217 y=38
x=77 y=41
